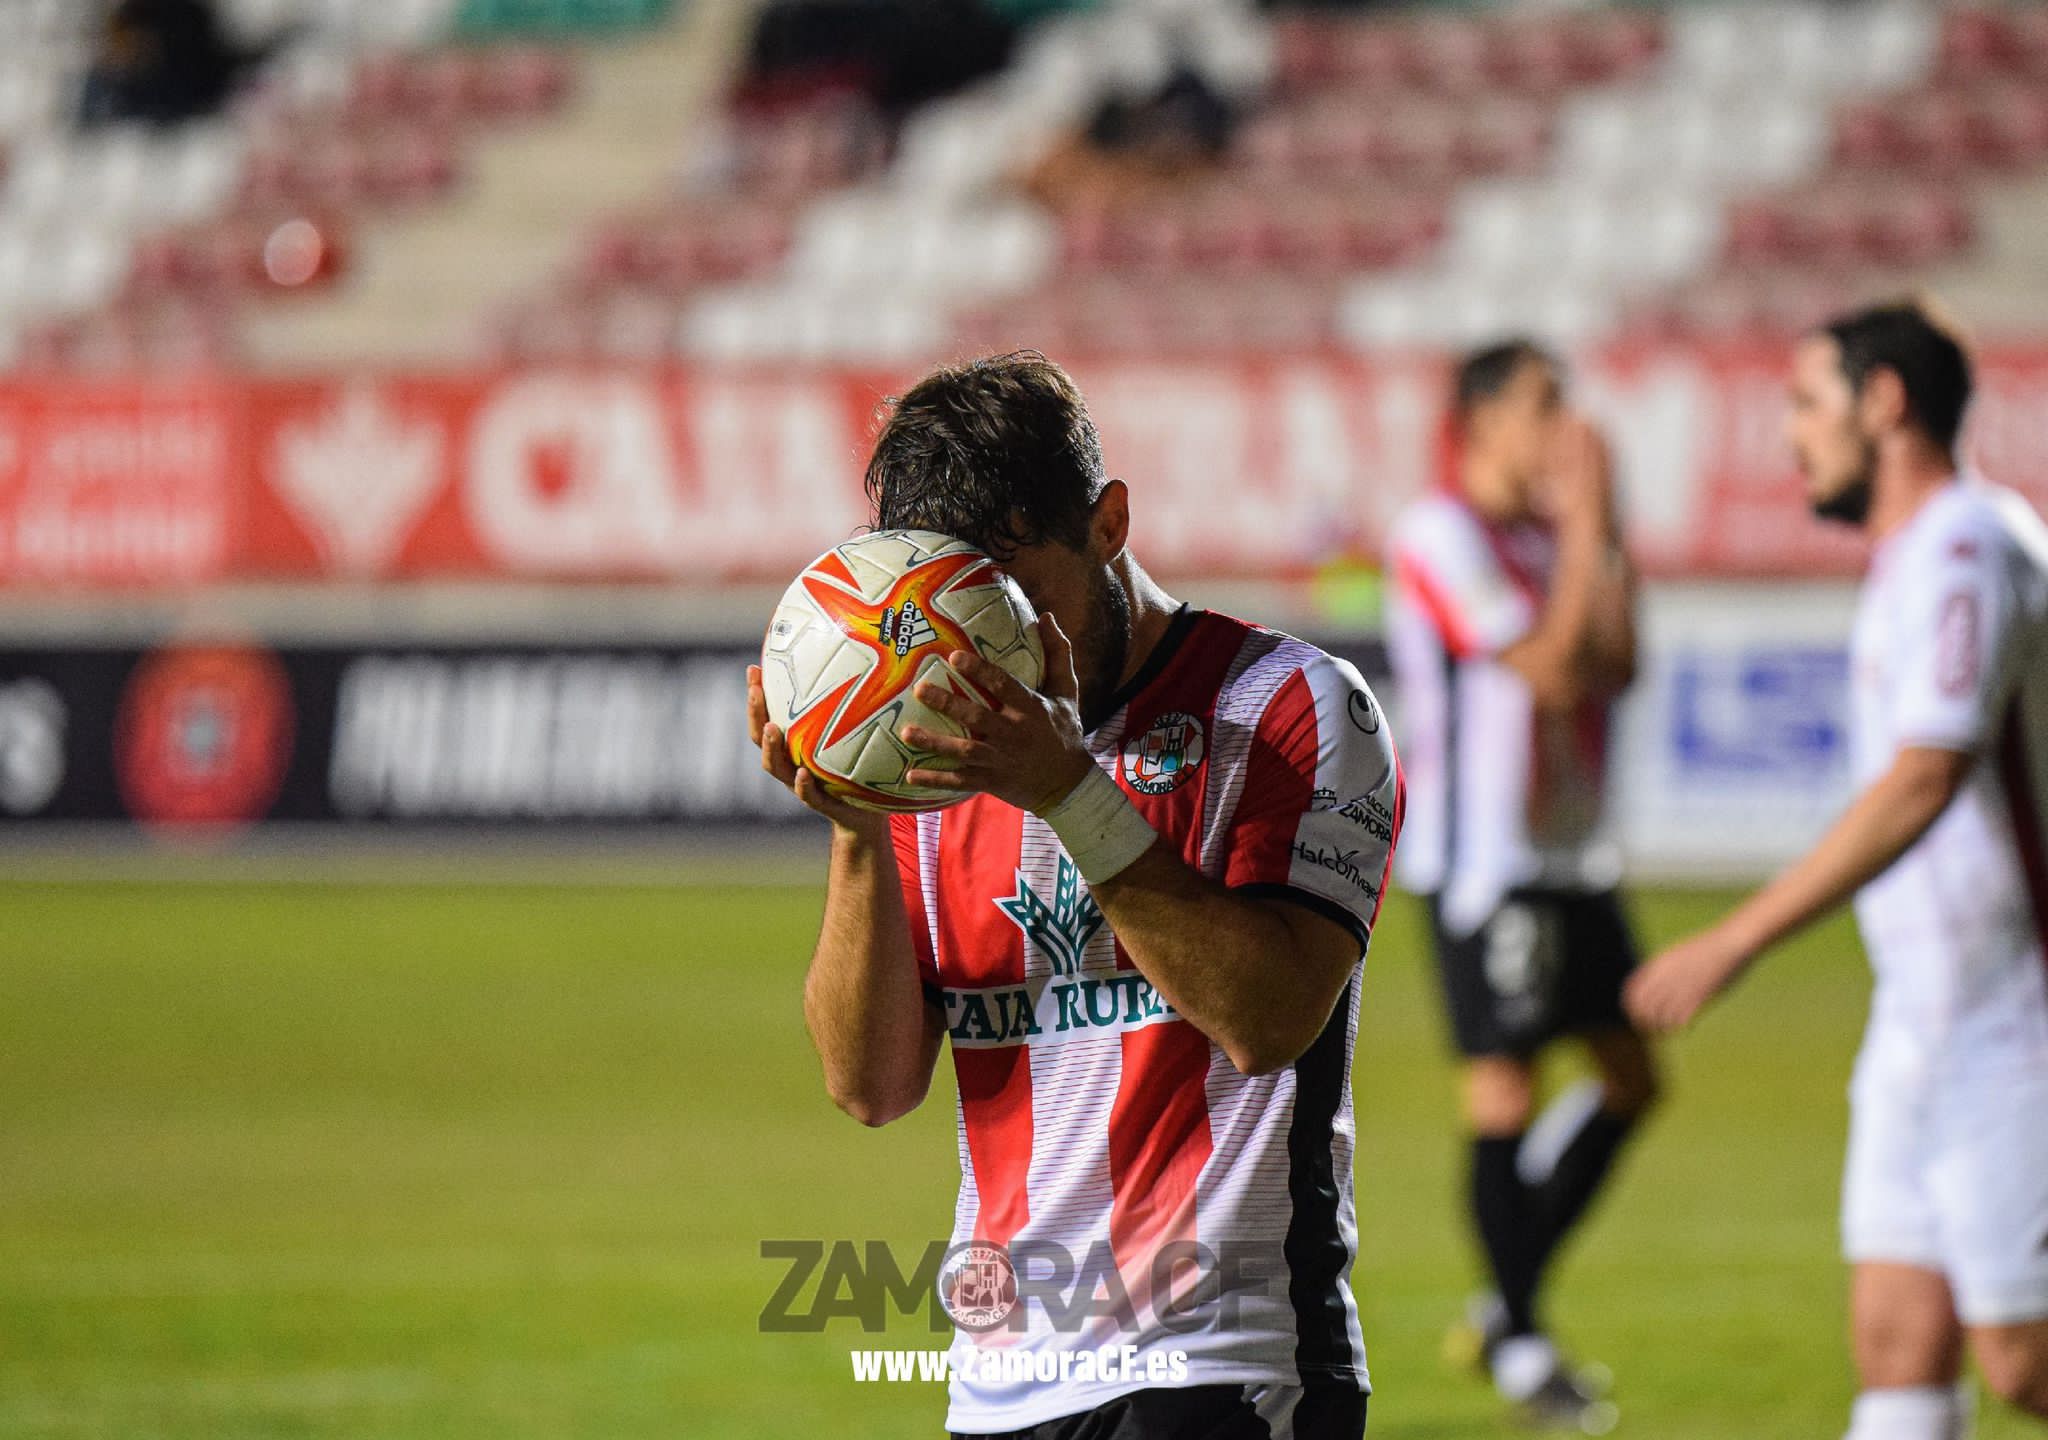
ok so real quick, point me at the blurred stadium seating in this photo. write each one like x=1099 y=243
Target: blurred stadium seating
x=1390 y=181
x=126 y=247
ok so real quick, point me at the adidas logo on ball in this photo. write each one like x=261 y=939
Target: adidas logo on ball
x=904 y=628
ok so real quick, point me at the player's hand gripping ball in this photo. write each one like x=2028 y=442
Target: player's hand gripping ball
x=857 y=631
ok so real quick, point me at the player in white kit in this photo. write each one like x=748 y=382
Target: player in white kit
x=1945 y=1198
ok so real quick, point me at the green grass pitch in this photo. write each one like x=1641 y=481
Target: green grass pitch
x=420 y=1163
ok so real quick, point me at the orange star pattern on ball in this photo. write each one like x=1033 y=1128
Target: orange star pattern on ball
x=832 y=587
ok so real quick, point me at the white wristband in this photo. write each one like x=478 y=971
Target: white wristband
x=1100 y=827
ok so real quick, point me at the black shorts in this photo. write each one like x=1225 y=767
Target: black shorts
x=1546 y=963
x=1320 y=1410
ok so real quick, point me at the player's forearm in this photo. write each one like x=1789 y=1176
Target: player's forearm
x=863 y=1003
x=1611 y=635
x=1552 y=657
x=1226 y=962
x=1880 y=826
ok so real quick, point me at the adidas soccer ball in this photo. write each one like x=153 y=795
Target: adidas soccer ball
x=857 y=631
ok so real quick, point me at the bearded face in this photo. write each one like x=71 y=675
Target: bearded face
x=1836 y=454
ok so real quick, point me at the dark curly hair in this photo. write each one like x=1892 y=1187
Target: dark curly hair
x=999 y=452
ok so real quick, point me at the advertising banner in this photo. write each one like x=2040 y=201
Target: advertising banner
x=1255 y=469
x=1733 y=747
x=119 y=484
x=199 y=737
x=1734 y=743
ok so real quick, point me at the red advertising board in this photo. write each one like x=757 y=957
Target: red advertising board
x=554 y=474
x=118 y=484
x=1253 y=468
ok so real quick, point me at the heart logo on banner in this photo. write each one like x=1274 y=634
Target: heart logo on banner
x=359 y=474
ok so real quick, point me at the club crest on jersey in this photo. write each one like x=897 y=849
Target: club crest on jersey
x=1162 y=759
x=1061 y=929
x=904 y=627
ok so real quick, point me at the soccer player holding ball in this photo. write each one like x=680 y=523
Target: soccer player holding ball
x=1945 y=1196
x=1141 y=931
x=1511 y=630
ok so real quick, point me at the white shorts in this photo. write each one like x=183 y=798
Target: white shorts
x=1952 y=1176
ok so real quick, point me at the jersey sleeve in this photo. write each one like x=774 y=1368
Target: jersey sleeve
x=1320 y=809
x=1954 y=666
x=1448 y=573
x=904 y=836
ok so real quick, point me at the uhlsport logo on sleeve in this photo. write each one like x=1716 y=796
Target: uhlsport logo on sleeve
x=1162 y=759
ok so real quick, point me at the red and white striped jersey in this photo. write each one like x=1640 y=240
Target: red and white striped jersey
x=1502 y=794
x=1950 y=651
x=1100 y=1131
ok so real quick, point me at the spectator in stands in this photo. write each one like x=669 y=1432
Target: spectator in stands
x=1162 y=137
x=160 y=62
x=900 y=53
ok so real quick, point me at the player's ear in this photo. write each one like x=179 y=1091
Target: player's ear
x=1882 y=404
x=1109 y=524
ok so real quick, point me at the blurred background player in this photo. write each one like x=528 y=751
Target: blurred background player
x=1945 y=1200
x=1511 y=631
x=1238 y=883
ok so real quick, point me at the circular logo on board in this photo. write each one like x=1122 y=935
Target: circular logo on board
x=1162 y=759
x=203 y=735
x=978 y=1286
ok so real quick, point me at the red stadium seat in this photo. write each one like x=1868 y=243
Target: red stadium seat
x=1611 y=43
x=381 y=89
x=1375 y=55
x=522 y=81
x=1503 y=137
x=1305 y=53
x=1757 y=233
x=1540 y=55
x=2019 y=116
x=1446 y=53
x=1936 y=130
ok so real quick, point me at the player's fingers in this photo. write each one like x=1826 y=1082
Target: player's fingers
x=969 y=714
x=1637 y=998
x=757 y=705
x=1658 y=1006
x=999 y=685
x=963 y=749
x=811 y=790
x=775 y=756
x=1060 y=681
x=928 y=779
x=1571 y=449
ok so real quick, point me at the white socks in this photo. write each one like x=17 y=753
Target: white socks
x=1932 y=1412
x=1522 y=1363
